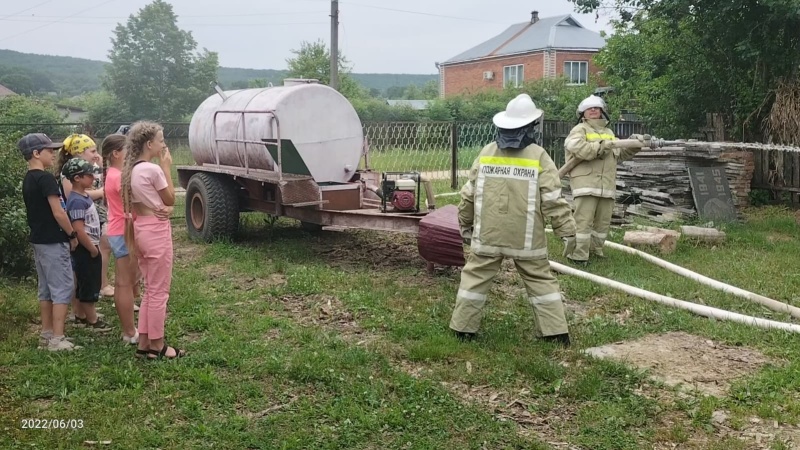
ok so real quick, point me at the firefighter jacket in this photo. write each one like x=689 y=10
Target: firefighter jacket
x=504 y=204
x=597 y=175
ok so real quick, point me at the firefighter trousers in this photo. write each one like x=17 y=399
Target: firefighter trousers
x=542 y=288
x=592 y=220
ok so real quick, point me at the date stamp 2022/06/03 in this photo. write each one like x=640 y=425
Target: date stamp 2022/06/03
x=51 y=424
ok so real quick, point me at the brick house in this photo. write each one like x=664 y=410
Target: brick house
x=540 y=48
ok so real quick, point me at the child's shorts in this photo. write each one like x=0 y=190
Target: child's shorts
x=88 y=274
x=54 y=270
x=118 y=247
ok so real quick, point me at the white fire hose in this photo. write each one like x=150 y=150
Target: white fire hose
x=760 y=299
x=619 y=143
x=701 y=310
x=774 y=305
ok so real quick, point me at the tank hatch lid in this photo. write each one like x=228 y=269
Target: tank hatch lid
x=298 y=81
x=291 y=160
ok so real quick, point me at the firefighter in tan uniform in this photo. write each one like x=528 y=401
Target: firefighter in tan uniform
x=513 y=185
x=593 y=181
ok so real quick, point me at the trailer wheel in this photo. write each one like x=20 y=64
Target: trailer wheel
x=212 y=207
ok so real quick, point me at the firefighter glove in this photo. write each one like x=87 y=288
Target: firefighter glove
x=605 y=147
x=466 y=236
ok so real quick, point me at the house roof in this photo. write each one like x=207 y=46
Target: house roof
x=5 y=92
x=559 y=33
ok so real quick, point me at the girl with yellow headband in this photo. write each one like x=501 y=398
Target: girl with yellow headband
x=83 y=147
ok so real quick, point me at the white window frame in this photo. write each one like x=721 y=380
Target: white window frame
x=583 y=72
x=518 y=75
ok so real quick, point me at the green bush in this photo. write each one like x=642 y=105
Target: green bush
x=19 y=116
x=15 y=252
x=23 y=115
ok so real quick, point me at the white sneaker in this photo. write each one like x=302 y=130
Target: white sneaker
x=133 y=340
x=57 y=344
x=44 y=339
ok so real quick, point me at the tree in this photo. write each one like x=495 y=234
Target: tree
x=682 y=58
x=24 y=81
x=103 y=106
x=258 y=83
x=312 y=61
x=154 y=69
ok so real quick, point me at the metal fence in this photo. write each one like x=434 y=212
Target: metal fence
x=446 y=150
x=442 y=150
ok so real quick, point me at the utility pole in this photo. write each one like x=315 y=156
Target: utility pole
x=335 y=44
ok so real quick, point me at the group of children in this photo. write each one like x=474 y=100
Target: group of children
x=79 y=217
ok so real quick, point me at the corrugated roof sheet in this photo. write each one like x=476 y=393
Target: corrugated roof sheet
x=560 y=32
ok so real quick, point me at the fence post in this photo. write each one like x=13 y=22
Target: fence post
x=454 y=155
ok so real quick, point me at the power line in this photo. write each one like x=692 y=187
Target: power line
x=216 y=24
x=56 y=21
x=193 y=16
x=27 y=9
x=419 y=12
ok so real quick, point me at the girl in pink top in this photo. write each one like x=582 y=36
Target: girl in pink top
x=146 y=189
x=125 y=286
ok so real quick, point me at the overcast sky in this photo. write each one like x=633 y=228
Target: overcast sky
x=378 y=36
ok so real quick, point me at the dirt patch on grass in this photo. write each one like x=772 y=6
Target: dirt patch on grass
x=185 y=252
x=213 y=271
x=324 y=311
x=681 y=359
x=248 y=283
x=369 y=250
x=533 y=419
x=779 y=237
x=760 y=433
x=675 y=431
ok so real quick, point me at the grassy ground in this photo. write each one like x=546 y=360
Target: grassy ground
x=340 y=340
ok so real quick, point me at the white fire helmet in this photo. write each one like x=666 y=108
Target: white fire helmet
x=591 y=101
x=519 y=112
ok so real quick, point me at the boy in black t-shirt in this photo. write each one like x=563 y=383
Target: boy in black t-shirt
x=52 y=238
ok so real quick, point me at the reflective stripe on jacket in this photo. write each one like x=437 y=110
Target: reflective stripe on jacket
x=596 y=176
x=504 y=203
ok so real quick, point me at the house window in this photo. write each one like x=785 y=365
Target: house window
x=513 y=75
x=577 y=72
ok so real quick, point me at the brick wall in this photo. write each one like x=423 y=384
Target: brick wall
x=468 y=77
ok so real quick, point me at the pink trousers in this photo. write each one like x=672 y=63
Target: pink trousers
x=154 y=249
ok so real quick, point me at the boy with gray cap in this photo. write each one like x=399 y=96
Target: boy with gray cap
x=52 y=238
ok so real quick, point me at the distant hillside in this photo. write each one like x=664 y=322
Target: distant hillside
x=74 y=76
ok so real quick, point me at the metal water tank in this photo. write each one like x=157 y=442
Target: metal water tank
x=319 y=121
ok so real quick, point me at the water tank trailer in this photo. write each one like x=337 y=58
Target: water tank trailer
x=291 y=151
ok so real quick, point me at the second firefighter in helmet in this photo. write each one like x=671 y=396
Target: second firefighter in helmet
x=593 y=181
x=513 y=186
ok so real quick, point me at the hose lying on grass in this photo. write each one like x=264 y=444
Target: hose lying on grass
x=774 y=305
x=701 y=310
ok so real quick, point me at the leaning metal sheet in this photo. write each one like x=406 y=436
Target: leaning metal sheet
x=299 y=191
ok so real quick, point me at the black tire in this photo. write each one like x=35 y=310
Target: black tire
x=212 y=207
